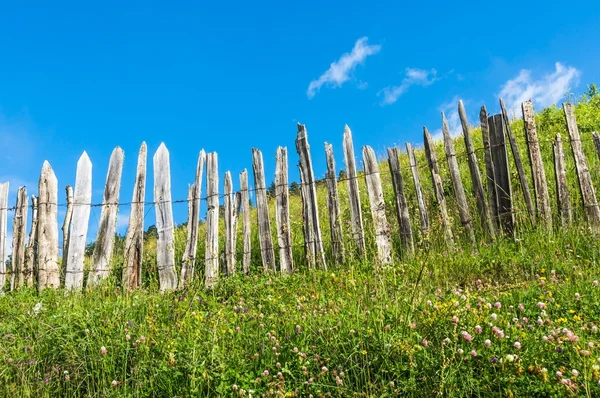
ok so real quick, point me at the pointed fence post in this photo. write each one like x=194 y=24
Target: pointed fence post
x=540 y=185
x=333 y=207
x=264 y=224
x=307 y=227
x=588 y=194
x=562 y=191
x=282 y=212
x=482 y=206
x=211 y=272
x=47 y=235
x=81 y=216
x=165 y=250
x=375 y=191
x=3 y=231
x=134 y=239
x=459 y=191
x=489 y=167
x=18 y=242
x=401 y=205
x=232 y=203
x=30 y=251
x=356 y=219
x=424 y=218
x=66 y=228
x=596 y=138
x=502 y=181
x=245 y=204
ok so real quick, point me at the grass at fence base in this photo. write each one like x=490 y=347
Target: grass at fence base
x=345 y=331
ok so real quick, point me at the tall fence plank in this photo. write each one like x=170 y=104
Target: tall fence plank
x=66 y=227
x=307 y=228
x=502 y=181
x=333 y=207
x=19 y=232
x=459 y=191
x=356 y=219
x=232 y=202
x=105 y=239
x=518 y=164
x=375 y=191
x=437 y=187
x=47 y=236
x=540 y=184
x=245 y=205
x=282 y=212
x=211 y=271
x=423 y=216
x=489 y=167
x=401 y=206
x=30 y=251
x=588 y=194
x=79 y=224
x=303 y=150
x=188 y=261
x=264 y=225
x=165 y=250
x=482 y=206
x=563 y=199
x=3 y=231
x=134 y=239
x=596 y=138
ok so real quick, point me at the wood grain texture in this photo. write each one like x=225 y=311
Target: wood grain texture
x=282 y=212
x=563 y=198
x=265 y=237
x=246 y=228
x=356 y=218
x=502 y=180
x=47 y=234
x=232 y=203
x=211 y=271
x=30 y=251
x=19 y=234
x=66 y=228
x=423 y=216
x=402 y=212
x=489 y=167
x=333 y=207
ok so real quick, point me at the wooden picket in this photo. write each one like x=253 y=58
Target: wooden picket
x=356 y=219
x=30 y=251
x=282 y=212
x=401 y=206
x=563 y=199
x=489 y=167
x=18 y=239
x=505 y=214
x=333 y=207
x=245 y=200
x=188 y=261
x=264 y=225
x=232 y=203
x=423 y=216
x=211 y=270
x=66 y=228
x=3 y=229
x=47 y=234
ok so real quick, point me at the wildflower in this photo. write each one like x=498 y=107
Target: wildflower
x=494 y=316
x=338 y=381
x=478 y=329
x=324 y=369
x=497 y=304
x=37 y=308
x=541 y=305
x=575 y=372
x=279 y=375
x=446 y=340
x=127 y=337
x=424 y=342
x=545 y=339
x=591 y=344
x=237 y=329
x=473 y=353
x=517 y=345
x=510 y=357
x=540 y=321
x=584 y=353
x=525 y=320
x=594 y=329
x=114 y=383
x=262 y=325
x=455 y=319
x=296 y=350
x=494 y=359
x=103 y=351
x=487 y=343
x=278 y=365
x=467 y=336
x=429 y=303
x=595 y=283
x=413 y=325
x=142 y=339
x=234 y=387
x=521 y=307
x=352 y=331
x=460 y=351
x=265 y=373
x=577 y=296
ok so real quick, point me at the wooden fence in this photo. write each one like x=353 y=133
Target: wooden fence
x=35 y=259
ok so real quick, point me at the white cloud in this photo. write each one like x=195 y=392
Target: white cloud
x=412 y=77
x=340 y=70
x=545 y=91
x=450 y=109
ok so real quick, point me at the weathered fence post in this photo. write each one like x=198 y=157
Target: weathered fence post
x=81 y=215
x=401 y=205
x=264 y=225
x=188 y=261
x=282 y=212
x=437 y=187
x=105 y=239
x=502 y=181
x=489 y=167
x=356 y=219
x=18 y=242
x=165 y=250
x=246 y=243
x=134 y=239
x=47 y=235
x=211 y=271
x=307 y=227
x=518 y=163
x=482 y=207
x=375 y=191
x=562 y=191
x=588 y=194
x=66 y=228
x=596 y=138
x=540 y=185
x=3 y=231
x=30 y=251
x=232 y=203
x=424 y=218
x=459 y=191
x=303 y=150
x=333 y=207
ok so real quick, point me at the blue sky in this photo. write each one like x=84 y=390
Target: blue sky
x=227 y=77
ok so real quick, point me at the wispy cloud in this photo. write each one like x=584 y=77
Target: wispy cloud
x=339 y=71
x=545 y=91
x=412 y=77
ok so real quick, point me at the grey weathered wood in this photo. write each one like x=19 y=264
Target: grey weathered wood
x=401 y=205
x=232 y=203
x=79 y=224
x=211 y=271
x=30 y=251
x=489 y=167
x=134 y=239
x=105 y=238
x=482 y=206
x=66 y=228
x=282 y=212
x=375 y=191
x=459 y=191
x=333 y=207
x=307 y=228
x=502 y=181
x=165 y=250
x=562 y=191
x=303 y=149
x=47 y=235
x=245 y=205
x=518 y=163
x=540 y=184
x=423 y=216
x=437 y=187
x=356 y=219
x=596 y=138
x=265 y=238
x=588 y=193
x=3 y=231
x=188 y=261
x=19 y=232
